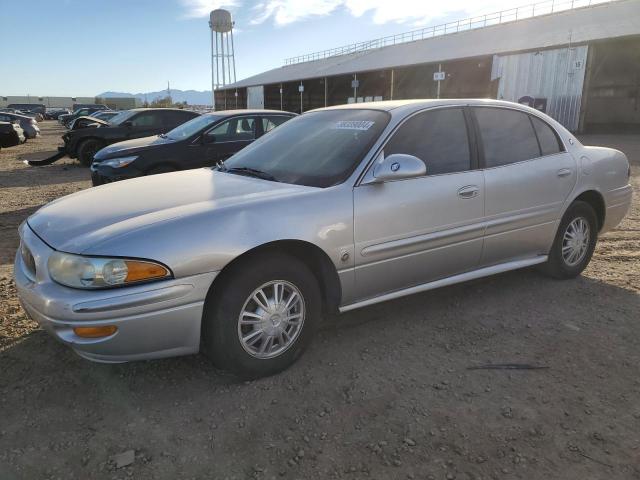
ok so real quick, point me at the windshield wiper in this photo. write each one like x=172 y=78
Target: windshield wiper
x=249 y=172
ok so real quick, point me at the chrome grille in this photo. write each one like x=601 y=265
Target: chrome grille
x=28 y=261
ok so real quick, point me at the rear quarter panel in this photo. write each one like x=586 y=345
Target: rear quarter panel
x=606 y=171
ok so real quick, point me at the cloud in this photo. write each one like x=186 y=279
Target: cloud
x=411 y=12
x=202 y=8
x=417 y=12
x=284 y=12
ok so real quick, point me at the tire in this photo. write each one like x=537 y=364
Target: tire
x=221 y=328
x=87 y=150
x=160 y=169
x=564 y=266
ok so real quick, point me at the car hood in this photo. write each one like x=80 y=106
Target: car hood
x=131 y=146
x=85 y=219
x=90 y=119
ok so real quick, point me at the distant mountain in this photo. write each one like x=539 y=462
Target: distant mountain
x=192 y=97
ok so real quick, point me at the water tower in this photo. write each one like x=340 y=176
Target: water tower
x=223 y=62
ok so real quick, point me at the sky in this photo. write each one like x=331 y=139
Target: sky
x=86 y=47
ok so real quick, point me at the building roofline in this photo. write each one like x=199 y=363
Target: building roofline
x=617 y=18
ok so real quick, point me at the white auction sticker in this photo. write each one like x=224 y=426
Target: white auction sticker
x=354 y=125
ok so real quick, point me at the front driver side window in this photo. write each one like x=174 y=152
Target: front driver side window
x=234 y=130
x=269 y=123
x=437 y=137
x=147 y=119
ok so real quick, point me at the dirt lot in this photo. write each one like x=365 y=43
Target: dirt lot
x=384 y=392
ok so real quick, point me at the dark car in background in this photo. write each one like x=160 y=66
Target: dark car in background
x=28 y=124
x=81 y=111
x=96 y=106
x=55 y=112
x=90 y=121
x=11 y=134
x=83 y=143
x=29 y=107
x=204 y=141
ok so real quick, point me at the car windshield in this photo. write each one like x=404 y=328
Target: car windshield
x=121 y=117
x=318 y=149
x=192 y=127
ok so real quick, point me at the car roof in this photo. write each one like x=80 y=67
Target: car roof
x=16 y=115
x=390 y=105
x=143 y=109
x=249 y=111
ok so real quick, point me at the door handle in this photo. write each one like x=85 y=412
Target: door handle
x=468 y=191
x=564 y=172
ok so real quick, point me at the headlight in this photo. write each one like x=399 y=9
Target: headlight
x=118 y=162
x=92 y=272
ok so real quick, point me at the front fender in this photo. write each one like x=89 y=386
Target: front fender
x=207 y=241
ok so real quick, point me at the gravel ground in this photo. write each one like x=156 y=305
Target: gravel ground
x=383 y=392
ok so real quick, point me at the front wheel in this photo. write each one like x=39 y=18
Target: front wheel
x=574 y=243
x=87 y=150
x=260 y=317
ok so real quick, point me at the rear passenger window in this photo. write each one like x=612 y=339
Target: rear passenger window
x=549 y=142
x=438 y=138
x=507 y=136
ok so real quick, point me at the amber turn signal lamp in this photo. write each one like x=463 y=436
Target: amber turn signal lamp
x=137 y=271
x=95 y=332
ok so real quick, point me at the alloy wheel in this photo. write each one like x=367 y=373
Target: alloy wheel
x=271 y=319
x=575 y=242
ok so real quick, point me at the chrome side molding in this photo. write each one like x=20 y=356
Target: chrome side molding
x=463 y=277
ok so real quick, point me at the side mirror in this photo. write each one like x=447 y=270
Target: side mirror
x=208 y=138
x=398 y=166
x=127 y=124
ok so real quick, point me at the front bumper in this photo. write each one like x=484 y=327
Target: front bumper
x=102 y=174
x=154 y=320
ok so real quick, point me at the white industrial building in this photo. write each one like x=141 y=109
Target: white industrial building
x=53 y=102
x=579 y=61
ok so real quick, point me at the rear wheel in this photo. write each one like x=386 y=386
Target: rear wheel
x=261 y=316
x=574 y=243
x=87 y=150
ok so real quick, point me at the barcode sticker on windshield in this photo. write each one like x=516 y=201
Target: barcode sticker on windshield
x=354 y=125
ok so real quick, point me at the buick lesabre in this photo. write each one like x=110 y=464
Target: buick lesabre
x=337 y=209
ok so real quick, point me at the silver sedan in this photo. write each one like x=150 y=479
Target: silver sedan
x=337 y=209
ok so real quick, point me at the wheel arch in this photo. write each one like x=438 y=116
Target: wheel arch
x=596 y=201
x=313 y=256
x=83 y=140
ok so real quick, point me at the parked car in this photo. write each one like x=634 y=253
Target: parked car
x=29 y=107
x=11 y=134
x=337 y=209
x=28 y=124
x=90 y=121
x=95 y=106
x=140 y=122
x=54 y=113
x=79 y=112
x=203 y=141
x=34 y=115
x=106 y=114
